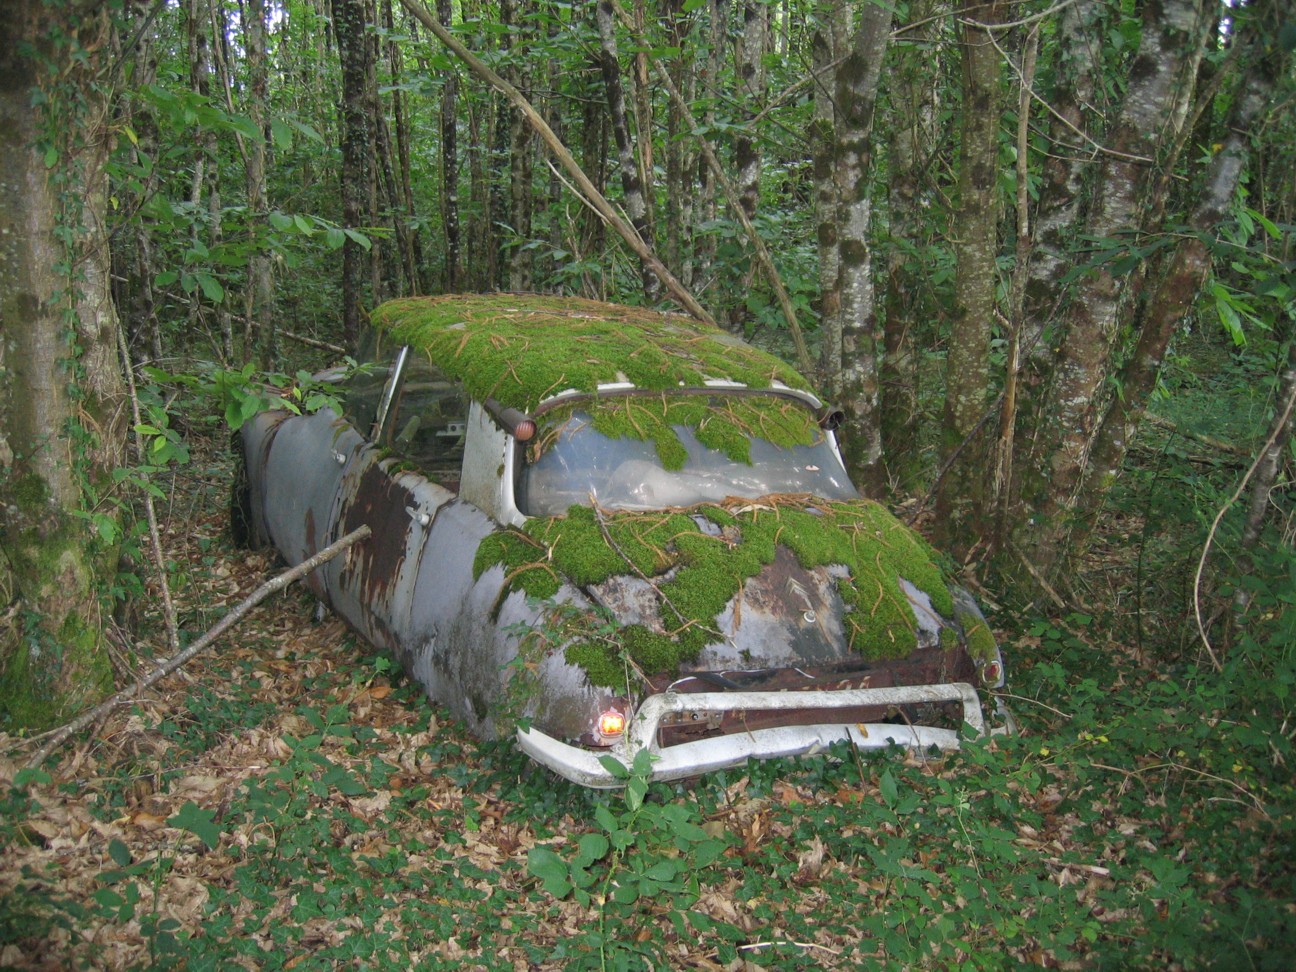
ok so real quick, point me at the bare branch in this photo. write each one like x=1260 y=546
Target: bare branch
x=59 y=736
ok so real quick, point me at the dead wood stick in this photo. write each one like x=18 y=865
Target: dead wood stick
x=150 y=513
x=312 y=342
x=564 y=157
x=59 y=736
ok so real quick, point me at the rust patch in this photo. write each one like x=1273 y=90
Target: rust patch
x=379 y=502
x=315 y=579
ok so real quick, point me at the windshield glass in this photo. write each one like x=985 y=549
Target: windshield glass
x=581 y=465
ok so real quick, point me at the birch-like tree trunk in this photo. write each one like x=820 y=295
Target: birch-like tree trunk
x=861 y=340
x=61 y=415
x=1184 y=269
x=1127 y=198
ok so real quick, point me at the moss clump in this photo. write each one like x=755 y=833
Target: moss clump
x=981 y=642
x=521 y=349
x=698 y=573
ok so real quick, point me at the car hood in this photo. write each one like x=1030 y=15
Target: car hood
x=788 y=582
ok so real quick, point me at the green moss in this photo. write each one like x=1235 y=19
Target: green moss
x=980 y=639
x=698 y=574
x=521 y=350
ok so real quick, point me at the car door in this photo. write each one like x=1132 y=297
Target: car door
x=396 y=484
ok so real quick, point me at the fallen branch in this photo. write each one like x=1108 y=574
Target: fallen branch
x=312 y=342
x=60 y=735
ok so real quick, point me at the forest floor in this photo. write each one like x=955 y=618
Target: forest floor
x=286 y=801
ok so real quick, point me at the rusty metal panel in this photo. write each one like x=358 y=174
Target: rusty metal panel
x=373 y=586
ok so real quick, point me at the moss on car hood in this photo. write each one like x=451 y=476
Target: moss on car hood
x=698 y=572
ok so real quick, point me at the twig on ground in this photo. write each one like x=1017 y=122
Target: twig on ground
x=59 y=736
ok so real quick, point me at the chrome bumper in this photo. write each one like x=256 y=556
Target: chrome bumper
x=690 y=759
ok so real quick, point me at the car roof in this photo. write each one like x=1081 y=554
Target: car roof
x=523 y=349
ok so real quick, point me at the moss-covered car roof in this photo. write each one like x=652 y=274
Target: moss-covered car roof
x=523 y=348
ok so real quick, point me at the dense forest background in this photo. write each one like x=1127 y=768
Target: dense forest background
x=1041 y=253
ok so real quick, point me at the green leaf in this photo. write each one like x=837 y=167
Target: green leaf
x=334 y=238
x=304 y=225
x=615 y=767
x=211 y=287
x=197 y=821
x=281 y=134
x=244 y=126
x=166 y=278
x=25 y=777
x=590 y=848
x=281 y=222
x=551 y=869
x=358 y=237
x=635 y=791
x=625 y=894
x=119 y=852
x=887 y=787
x=663 y=871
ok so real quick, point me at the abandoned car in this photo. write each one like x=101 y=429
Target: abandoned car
x=609 y=529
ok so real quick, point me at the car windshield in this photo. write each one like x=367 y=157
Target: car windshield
x=582 y=466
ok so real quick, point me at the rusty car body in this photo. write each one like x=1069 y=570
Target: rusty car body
x=607 y=530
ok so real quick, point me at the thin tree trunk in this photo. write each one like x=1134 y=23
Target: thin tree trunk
x=348 y=26
x=861 y=344
x=910 y=312
x=751 y=84
x=1160 y=76
x=631 y=186
x=564 y=157
x=962 y=494
x=449 y=162
x=258 y=302
x=829 y=41
x=1183 y=275
x=679 y=189
x=705 y=247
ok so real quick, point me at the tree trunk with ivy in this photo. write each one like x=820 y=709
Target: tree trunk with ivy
x=60 y=398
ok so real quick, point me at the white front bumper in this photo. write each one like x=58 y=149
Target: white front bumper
x=690 y=759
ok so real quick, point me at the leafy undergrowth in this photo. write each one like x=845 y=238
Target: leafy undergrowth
x=287 y=803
